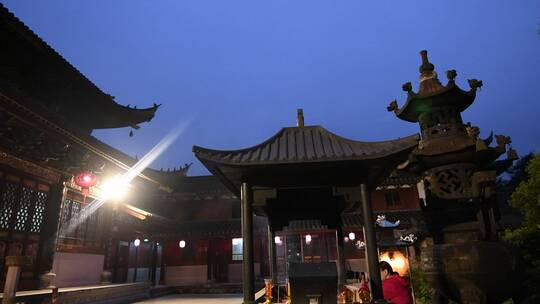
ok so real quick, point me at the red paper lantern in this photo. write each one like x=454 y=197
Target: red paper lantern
x=85 y=180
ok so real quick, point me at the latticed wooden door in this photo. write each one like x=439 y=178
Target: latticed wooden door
x=22 y=207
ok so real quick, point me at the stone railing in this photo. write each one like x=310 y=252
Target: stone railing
x=99 y=294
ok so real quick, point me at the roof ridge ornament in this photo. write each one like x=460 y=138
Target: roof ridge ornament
x=427 y=69
x=299 y=117
x=451 y=75
x=426 y=65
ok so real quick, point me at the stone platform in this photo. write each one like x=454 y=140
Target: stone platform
x=196 y=299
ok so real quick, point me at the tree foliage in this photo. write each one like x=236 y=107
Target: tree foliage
x=423 y=292
x=526 y=198
x=517 y=173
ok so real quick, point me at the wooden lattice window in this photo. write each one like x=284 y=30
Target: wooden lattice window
x=93 y=227
x=78 y=226
x=69 y=228
x=22 y=207
x=25 y=207
x=8 y=205
x=39 y=209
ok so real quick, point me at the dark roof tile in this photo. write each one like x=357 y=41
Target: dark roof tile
x=310 y=143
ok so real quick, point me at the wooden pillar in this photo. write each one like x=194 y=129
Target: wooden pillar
x=340 y=255
x=153 y=264
x=113 y=247
x=49 y=233
x=248 y=276
x=272 y=258
x=162 y=265
x=14 y=265
x=136 y=263
x=210 y=257
x=109 y=238
x=371 y=244
x=115 y=274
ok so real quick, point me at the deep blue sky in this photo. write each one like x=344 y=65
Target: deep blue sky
x=240 y=69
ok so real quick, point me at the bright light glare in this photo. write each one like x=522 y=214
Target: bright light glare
x=182 y=244
x=114 y=188
x=118 y=186
x=137 y=242
x=278 y=240
x=397 y=260
x=352 y=236
x=308 y=238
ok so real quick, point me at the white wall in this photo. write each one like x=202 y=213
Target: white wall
x=235 y=272
x=358 y=265
x=77 y=269
x=185 y=275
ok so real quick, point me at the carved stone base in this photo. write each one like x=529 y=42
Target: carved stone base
x=47 y=280
x=472 y=272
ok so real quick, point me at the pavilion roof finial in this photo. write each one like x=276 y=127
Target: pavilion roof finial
x=426 y=65
x=300 y=117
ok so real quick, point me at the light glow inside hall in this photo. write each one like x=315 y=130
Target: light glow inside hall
x=397 y=260
x=116 y=188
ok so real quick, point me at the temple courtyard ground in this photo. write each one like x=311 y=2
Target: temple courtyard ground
x=196 y=299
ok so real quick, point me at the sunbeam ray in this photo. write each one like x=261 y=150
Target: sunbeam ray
x=121 y=183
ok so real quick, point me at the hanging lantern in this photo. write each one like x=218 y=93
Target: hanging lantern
x=85 y=180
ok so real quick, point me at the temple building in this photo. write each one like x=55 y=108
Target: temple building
x=206 y=244
x=303 y=197
x=48 y=110
x=173 y=229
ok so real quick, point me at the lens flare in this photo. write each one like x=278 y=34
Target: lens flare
x=117 y=187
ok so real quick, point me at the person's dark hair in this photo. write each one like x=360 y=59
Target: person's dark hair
x=383 y=265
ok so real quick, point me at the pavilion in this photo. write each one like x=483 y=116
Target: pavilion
x=306 y=172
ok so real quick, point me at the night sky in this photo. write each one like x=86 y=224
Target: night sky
x=240 y=69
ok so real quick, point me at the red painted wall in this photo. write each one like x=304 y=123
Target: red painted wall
x=213 y=210
x=195 y=252
x=408 y=198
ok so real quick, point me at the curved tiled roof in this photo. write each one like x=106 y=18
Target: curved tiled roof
x=432 y=94
x=306 y=144
x=60 y=82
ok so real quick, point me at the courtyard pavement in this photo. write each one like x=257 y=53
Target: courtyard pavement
x=196 y=299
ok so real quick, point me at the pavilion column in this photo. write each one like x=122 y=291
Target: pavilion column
x=371 y=244
x=153 y=264
x=340 y=255
x=49 y=231
x=248 y=276
x=272 y=254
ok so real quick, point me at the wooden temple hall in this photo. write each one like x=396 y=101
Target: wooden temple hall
x=52 y=169
x=301 y=202
x=307 y=173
